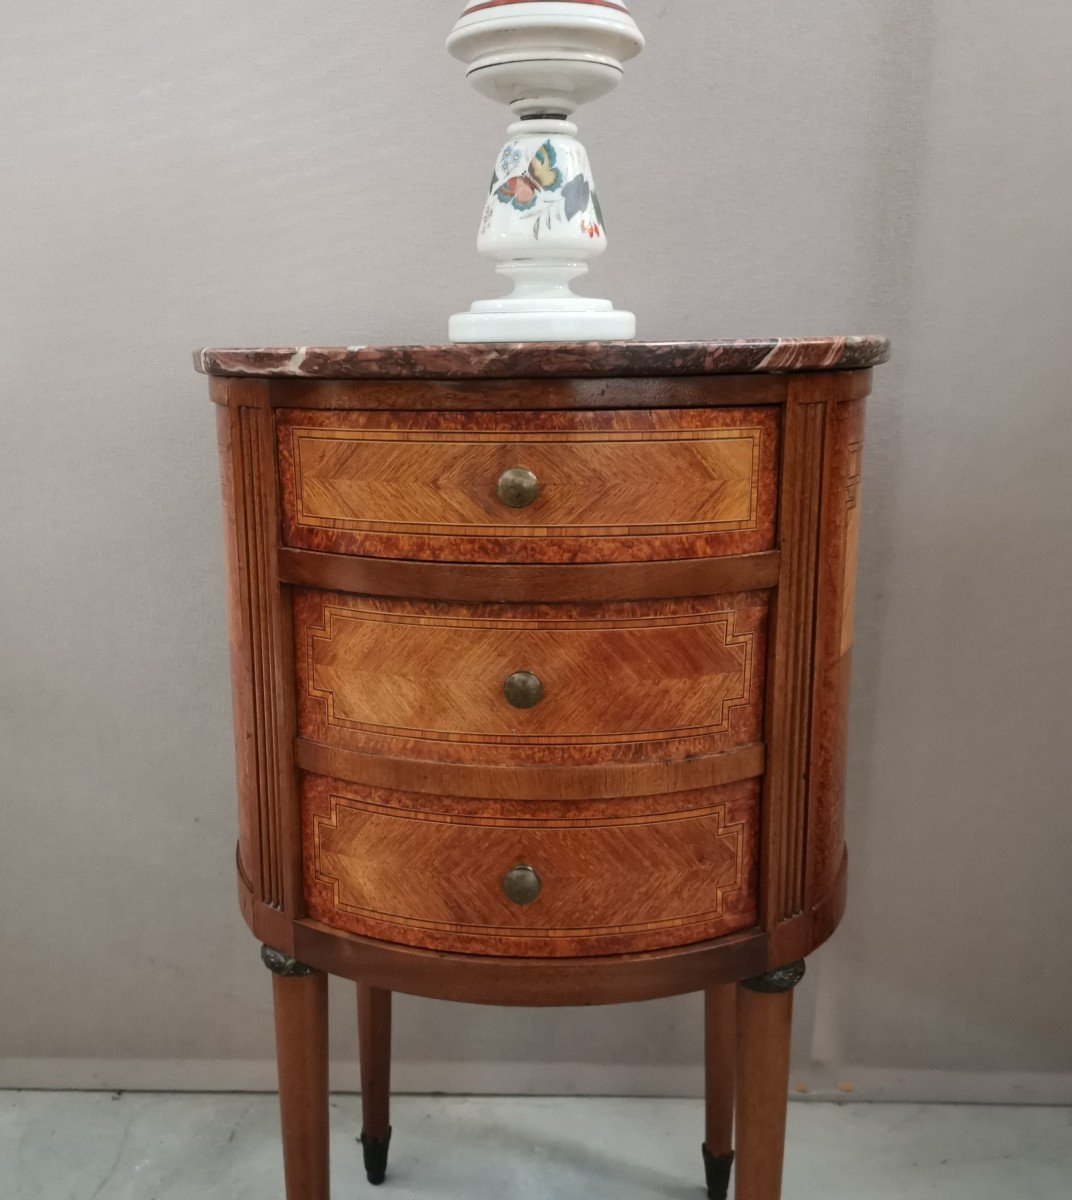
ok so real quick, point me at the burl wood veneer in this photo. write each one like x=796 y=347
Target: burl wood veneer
x=540 y=665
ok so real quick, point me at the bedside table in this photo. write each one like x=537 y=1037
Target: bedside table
x=540 y=663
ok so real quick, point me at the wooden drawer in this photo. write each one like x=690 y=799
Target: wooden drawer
x=623 y=682
x=613 y=877
x=612 y=486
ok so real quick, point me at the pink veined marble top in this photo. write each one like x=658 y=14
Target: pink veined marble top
x=528 y=360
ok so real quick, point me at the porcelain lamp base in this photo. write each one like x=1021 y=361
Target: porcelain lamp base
x=542 y=225
x=487 y=324
x=542 y=308
x=542 y=222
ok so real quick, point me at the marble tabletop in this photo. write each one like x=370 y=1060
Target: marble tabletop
x=521 y=360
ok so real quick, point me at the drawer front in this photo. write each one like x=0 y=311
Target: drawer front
x=556 y=880
x=595 y=487
x=532 y=684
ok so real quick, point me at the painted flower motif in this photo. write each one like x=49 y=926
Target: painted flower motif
x=510 y=160
x=489 y=212
x=591 y=228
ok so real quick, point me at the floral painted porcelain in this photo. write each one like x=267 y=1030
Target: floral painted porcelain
x=542 y=220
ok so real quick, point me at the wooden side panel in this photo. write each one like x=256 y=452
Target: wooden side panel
x=242 y=687
x=622 y=682
x=833 y=644
x=614 y=486
x=615 y=878
x=790 y=689
x=262 y=661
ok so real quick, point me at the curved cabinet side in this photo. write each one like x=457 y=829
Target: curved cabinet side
x=807 y=694
x=241 y=660
x=836 y=591
x=268 y=860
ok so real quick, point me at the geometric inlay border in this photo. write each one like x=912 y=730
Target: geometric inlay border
x=734 y=831
x=647 y=438
x=726 y=619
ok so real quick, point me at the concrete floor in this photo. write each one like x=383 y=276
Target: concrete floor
x=138 y=1146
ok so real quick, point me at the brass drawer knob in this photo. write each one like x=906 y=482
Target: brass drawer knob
x=518 y=487
x=522 y=885
x=523 y=690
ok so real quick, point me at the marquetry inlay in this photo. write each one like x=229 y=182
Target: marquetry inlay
x=677 y=481
x=433 y=875
x=611 y=675
x=408 y=486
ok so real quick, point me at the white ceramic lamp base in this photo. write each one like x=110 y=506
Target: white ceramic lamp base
x=593 y=325
x=542 y=221
x=542 y=309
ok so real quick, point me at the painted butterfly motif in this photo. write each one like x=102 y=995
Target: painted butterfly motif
x=541 y=176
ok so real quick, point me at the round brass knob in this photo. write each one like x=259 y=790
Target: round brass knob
x=523 y=690
x=518 y=487
x=521 y=885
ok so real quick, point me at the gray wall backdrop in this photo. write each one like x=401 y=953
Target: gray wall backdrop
x=254 y=173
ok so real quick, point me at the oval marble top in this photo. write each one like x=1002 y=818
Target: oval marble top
x=522 y=360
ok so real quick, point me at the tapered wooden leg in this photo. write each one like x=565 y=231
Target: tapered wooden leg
x=301 y=1039
x=764 y=1021
x=374 y=1039
x=720 y=1035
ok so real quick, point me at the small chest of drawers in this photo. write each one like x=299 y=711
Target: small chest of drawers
x=540 y=665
